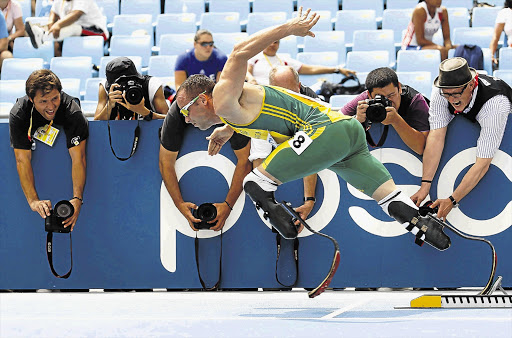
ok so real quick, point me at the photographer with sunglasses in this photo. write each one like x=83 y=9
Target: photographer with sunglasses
x=479 y=98
x=203 y=59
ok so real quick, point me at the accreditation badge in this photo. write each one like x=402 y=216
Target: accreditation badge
x=46 y=134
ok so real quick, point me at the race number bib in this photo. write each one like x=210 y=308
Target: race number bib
x=46 y=134
x=300 y=142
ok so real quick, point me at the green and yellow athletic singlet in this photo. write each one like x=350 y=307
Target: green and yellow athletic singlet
x=284 y=113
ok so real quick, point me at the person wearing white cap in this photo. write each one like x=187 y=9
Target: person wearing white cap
x=479 y=98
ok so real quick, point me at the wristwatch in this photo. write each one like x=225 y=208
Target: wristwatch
x=310 y=199
x=149 y=116
x=454 y=202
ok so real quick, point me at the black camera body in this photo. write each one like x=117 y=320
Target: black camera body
x=62 y=210
x=206 y=213
x=131 y=85
x=376 y=111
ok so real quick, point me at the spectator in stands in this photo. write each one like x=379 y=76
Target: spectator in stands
x=408 y=113
x=33 y=119
x=12 y=12
x=171 y=138
x=503 y=23
x=426 y=19
x=479 y=98
x=203 y=59
x=260 y=65
x=69 y=18
x=4 y=41
x=112 y=104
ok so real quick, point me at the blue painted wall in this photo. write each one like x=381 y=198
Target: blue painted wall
x=129 y=235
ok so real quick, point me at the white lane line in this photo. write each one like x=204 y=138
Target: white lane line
x=344 y=309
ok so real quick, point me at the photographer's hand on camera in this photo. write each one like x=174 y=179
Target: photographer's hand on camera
x=186 y=210
x=392 y=116
x=71 y=221
x=42 y=207
x=139 y=108
x=361 y=110
x=223 y=212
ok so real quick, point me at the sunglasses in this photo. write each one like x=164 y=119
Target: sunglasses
x=454 y=95
x=184 y=110
x=204 y=44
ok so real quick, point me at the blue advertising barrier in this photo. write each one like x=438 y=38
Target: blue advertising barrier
x=130 y=235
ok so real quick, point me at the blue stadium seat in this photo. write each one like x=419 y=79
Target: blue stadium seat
x=20 y=69
x=352 y=20
x=487 y=60
x=327 y=41
x=42 y=8
x=185 y=6
x=5 y=108
x=338 y=101
x=366 y=61
x=505 y=75
x=23 y=49
x=376 y=5
x=505 y=54
x=127 y=24
x=10 y=90
x=484 y=16
x=175 y=23
x=400 y=4
x=320 y=5
x=226 y=41
x=458 y=3
x=220 y=22
x=239 y=6
x=318 y=58
x=122 y=45
x=71 y=86
x=175 y=44
x=89 y=107
x=458 y=17
x=137 y=60
x=259 y=21
x=480 y=36
x=79 y=67
x=151 y=7
x=289 y=45
x=419 y=60
x=110 y=8
x=382 y=39
x=26 y=8
x=421 y=81
x=84 y=46
x=397 y=20
x=92 y=87
x=162 y=65
x=259 y=6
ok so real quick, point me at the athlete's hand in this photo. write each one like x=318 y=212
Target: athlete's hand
x=42 y=207
x=186 y=210
x=420 y=195
x=223 y=212
x=445 y=206
x=302 y=24
x=218 y=138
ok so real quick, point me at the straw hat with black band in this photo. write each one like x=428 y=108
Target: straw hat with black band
x=454 y=73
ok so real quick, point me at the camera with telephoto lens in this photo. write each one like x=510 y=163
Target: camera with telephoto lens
x=131 y=85
x=206 y=213
x=62 y=210
x=376 y=111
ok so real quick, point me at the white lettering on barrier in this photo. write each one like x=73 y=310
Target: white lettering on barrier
x=327 y=209
x=171 y=219
x=446 y=185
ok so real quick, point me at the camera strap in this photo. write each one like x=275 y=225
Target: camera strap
x=295 y=256
x=382 y=139
x=196 y=246
x=49 y=254
x=136 y=135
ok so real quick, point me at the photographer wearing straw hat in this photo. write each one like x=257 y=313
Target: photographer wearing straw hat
x=479 y=98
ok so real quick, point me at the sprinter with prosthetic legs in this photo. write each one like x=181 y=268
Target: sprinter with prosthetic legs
x=311 y=136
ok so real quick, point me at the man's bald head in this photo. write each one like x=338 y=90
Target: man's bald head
x=286 y=77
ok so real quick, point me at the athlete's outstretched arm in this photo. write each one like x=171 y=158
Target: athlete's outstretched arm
x=228 y=90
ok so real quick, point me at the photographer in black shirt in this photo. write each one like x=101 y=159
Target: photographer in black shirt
x=33 y=120
x=127 y=95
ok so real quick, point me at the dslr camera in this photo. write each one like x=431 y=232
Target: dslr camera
x=376 y=111
x=206 y=213
x=131 y=85
x=62 y=210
